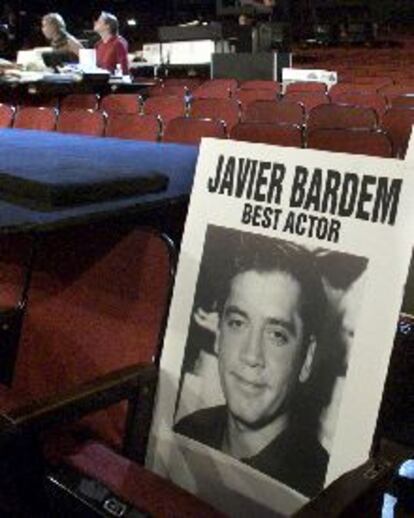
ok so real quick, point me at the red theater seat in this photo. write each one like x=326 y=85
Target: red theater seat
x=134 y=127
x=187 y=130
x=36 y=118
x=276 y=112
x=261 y=84
x=81 y=121
x=216 y=88
x=162 y=89
x=308 y=99
x=166 y=107
x=339 y=116
x=79 y=101
x=398 y=123
x=268 y=133
x=403 y=101
x=6 y=115
x=246 y=97
x=362 y=142
x=121 y=103
x=342 y=88
x=227 y=110
x=97 y=300
x=309 y=86
x=375 y=101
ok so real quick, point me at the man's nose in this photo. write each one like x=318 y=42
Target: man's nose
x=252 y=350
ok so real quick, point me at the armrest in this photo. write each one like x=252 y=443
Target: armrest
x=352 y=492
x=347 y=492
x=136 y=383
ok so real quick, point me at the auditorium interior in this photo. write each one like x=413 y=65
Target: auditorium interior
x=97 y=167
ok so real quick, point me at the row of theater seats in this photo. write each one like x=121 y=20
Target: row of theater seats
x=328 y=126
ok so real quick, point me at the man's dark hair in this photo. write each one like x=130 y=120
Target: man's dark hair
x=112 y=21
x=266 y=255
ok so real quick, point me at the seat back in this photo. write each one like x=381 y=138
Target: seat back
x=306 y=86
x=6 y=115
x=84 y=122
x=187 y=130
x=398 y=123
x=216 y=88
x=134 y=127
x=163 y=89
x=96 y=304
x=352 y=87
x=166 y=107
x=77 y=101
x=392 y=91
x=227 y=110
x=268 y=133
x=308 y=99
x=354 y=141
x=261 y=84
x=403 y=101
x=37 y=100
x=120 y=103
x=339 y=116
x=375 y=101
x=276 y=112
x=246 y=97
x=37 y=118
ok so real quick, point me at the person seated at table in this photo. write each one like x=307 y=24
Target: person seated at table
x=112 y=49
x=54 y=30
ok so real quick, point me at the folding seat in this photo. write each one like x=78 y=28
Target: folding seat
x=246 y=97
x=84 y=122
x=261 y=84
x=342 y=88
x=6 y=115
x=216 y=88
x=97 y=303
x=397 y=90
x=162 y=89
x=38 y=100
x=374 y=100
x=97 y=297
x=268 y=133
x=277 y=112
x=167 y=108
x=227 y=110
x=340 y=116
x=355 y=141
x=308 y=99
x=306 y=86
x=398 y=123
x=36 y=118
x=76 y=101
x=120 y=103
x=402 y=101
x=188 y=130
x=134 y=127
x=191 y=83
x=375 y=81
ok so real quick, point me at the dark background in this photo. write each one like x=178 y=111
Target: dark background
x=23 y=16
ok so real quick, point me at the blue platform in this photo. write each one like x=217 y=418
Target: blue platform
x=53 y=159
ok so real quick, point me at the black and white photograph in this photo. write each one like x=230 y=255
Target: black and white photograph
x=267 y=353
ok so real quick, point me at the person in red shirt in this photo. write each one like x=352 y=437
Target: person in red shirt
x=112 y=49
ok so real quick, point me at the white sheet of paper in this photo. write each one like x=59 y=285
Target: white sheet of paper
x=377 y=230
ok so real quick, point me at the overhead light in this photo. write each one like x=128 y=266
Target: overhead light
x=131 y=22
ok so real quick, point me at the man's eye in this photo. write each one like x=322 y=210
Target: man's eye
x=235 y=323
x=277 y=336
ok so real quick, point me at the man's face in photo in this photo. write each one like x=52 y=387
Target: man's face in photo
x=260 y=343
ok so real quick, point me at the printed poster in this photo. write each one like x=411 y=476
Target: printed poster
x=289 y=284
